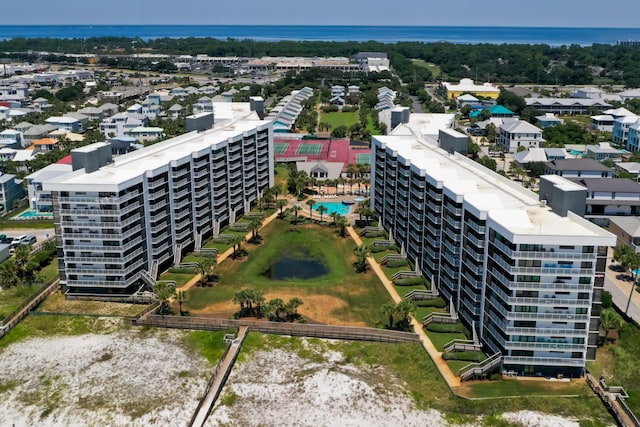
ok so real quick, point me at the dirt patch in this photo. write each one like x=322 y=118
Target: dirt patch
x=325 y=309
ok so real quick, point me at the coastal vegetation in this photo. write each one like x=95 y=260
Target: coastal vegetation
x=514 y=63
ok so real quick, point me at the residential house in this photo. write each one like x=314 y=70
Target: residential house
x=604 y=150
x=230 y=94
x=631 y=168
x=45 y=144
x=578 y=168
x=629 y=95
x=602 y=123
x=93 y=113
x=548 y=120
x=120 y=124
x=566 y=106
x=16 y=92
x=485 y=90
x=621 y=128
x=175 y=111
x=36 y=132
x=108 y=109
x=518 y=133
x=69 y=124
x=10 y=138
x=146 y=134
x=11 y=190
x=611 y=196
x=633 y=136
x=135 y=108
x=627 y=230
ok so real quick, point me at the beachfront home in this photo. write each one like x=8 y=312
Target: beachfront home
x=518 y=133
x=11 y=190
x=578 y=168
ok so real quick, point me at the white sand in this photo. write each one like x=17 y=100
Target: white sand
x=118 y=379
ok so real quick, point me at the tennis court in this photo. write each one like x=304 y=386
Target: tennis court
x=280 y=148
x=363 y=159
x=312 y=149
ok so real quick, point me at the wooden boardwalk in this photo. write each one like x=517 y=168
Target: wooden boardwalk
x=218 y=379
x=21 y=312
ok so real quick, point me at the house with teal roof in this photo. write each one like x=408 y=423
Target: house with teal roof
x=495 y=110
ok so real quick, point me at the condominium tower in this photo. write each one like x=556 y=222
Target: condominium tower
x=526 y=280
x=121 y=224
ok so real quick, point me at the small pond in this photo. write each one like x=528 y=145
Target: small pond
x=296 y=265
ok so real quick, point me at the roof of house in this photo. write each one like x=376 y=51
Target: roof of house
x=577 y=164
x=63 y=119
x=631 y=167
x=45 y=141
x=618 y=112
x=628 y=224
x=520 y=126
x=531 y=155
x=619 y=185
x=567 y=102
x=549 y=117
x=603 y=148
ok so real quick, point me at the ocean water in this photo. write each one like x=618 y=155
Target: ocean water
x=384 y=34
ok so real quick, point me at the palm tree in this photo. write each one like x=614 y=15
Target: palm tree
x=205 y=267
x=296 y=208
x=334 y=216
x=164 y=291
x=361 y=252
x=389 y=310
x=8 y=277
x=240 y=298
x=281 y=204
x=404 y=309
x=293 y=305
x=322 y=209
x=182 y=297
x=254 y=226
x=22 y=262
x=237 y=244
x=341 y=222
x=610 y=320
x=258 y=299
x=310 y=203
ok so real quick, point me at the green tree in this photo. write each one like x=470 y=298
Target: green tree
x=403 y=311
x=254 y=227
x=488 y=163
x=8 y=277
x=24 y=268
x=281 y=203
x=322 y=209
x=311 y=203
x=361 y=252
x=237 y=245
x=182 y=297
x=293 y=305
x=610 y=320
x=389 y=310
x=205 y=266
x=164 y=292
x=296 y=208
x=341 y=223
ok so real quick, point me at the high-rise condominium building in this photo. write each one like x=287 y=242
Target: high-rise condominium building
x=120 y=223
x=527 y=280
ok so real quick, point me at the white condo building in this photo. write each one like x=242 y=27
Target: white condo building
x=120 y=223
x=527 y=280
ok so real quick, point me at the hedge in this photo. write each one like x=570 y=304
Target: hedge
x=377 y=249
x=411 y=281
x=437 y=303
x=374 y=234
x=189 y=270
x=446 y=328
x=468 y=356
x=395 y=263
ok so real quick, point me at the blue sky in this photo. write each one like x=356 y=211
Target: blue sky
x=551 y=13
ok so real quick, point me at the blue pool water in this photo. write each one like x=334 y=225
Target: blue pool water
x=332 y=207
x=34 y=214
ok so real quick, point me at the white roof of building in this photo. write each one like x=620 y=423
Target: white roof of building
x=567 y=102
x=511 y=208
x=468 y=85
x=631 y=167
x=617 y=112
x=531 y=155
x=603 y=148
x=520 y=126
x=133 y=165
x=52 y=171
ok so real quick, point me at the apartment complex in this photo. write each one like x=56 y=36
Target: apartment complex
x=120 y=222
x=525 y=278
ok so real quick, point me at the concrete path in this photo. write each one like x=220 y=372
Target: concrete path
x=223 y=369
x=226 y=254
x=451 y=380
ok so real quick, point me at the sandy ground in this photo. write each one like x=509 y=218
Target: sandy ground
x=278 y=388
x=123 y=378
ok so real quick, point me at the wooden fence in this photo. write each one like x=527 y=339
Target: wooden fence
x=294 y=329
x=21 y=312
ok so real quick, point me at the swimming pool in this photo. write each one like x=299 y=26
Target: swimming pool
x=332 y=207
x=34 y=214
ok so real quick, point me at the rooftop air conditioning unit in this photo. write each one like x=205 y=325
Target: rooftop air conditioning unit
x=543 y=203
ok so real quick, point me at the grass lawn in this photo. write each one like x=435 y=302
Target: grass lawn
x=619 y=364
x=10 y=299
x=435 y=70
x=179 y=278
x=339 y=297
x=56 y=303
x=410 y=364
x=527 y=387
x=440 y=339
x=338 y=118
x=49 y=272
x=281 y=173
x=581 y=120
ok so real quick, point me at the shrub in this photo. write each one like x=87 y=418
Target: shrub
x=183 y=270
x=395 y=263
x=607 y=302
x=377 y=249
x=395 y=248
x=469 y=356
x=373 y=234
x=448 y=328
x=411 y=281
x=437 y=303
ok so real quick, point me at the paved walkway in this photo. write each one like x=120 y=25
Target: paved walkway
x=220 y=377
x=226 y=254
x=452 y=380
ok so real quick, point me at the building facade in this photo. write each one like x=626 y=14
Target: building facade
x=120 y=225
x=526 y=280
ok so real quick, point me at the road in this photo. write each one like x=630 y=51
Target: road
x=620 y=290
